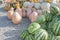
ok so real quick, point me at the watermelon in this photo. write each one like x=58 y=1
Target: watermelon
x=56 y=28
x=48 y=16
x=44 y=25
x=57 y=37
x=23 y=34
x=26 y=4
x=54 y=37
x=33 y=27
x=41 y=34
x=29 y=37
x=40 y=19
x=54 y=9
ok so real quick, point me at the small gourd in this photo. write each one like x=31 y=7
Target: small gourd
x=7 y=7
x=16 y=18
x=26 y=4
x=29 y=10
x=19 y=10
x=33 y=16
x=39 y=12
x=23 y=12
x=10 y=13
x=37 y=5
x=45 y=6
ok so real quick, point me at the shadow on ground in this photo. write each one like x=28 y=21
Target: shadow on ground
x=13 y=31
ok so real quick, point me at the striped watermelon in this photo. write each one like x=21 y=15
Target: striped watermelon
x=48 y=16
x=29 y=37
x=41 y=35
x=54 y=10
x=40 y=19
x=54 y=37
x=23 y=34
x=33 y=27
x=56 y=28
x=44 y=25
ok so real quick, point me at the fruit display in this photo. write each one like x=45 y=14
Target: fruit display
x=43 y=15
x=46 y=26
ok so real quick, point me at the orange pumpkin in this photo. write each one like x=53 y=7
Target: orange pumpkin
x=23 y=12
x=10 y=13
x=33 y=16
x=19 y=10
x=16 y=18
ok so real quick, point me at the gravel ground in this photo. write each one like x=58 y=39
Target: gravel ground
x=9 y=31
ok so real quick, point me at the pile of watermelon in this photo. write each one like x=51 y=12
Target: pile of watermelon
x=46 y=26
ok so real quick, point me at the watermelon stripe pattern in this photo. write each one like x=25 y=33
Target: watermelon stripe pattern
x=41 y=35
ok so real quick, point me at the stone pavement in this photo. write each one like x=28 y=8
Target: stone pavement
x=9 y=31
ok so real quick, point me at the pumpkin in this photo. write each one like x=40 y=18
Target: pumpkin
x=7 y=1
x=19 y=10
x=37 y=5
x=58 y=4
x=7 y=7
x=32 y=4
x=10 y=13
x=26 y=4
x=40 y=1
x=34 y=0
x=29 y=11
x=23 y=12
x=47 y=0
x=45 y=6
x=16 y=18
x=33 y=16
x=13 y=1
x=39 y=11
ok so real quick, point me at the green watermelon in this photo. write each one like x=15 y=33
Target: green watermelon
x=54 y=9
x=56 y=28
x=57 y=37
x=54 y=37
x=48 y=16
x=23 y=34
x=50 y=34
x=40 y=19
x=43 y=25
x=33 y=27
x=41 y=34
x=29 y=37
